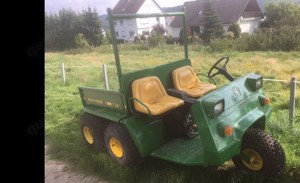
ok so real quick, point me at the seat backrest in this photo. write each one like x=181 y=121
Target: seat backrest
x=184 y=78
x=148 y=89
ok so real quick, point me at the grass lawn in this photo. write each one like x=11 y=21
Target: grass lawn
x=63 y=110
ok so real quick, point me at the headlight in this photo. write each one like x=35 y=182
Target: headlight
x=254 y=82
x=214 y=106
x=219 y=107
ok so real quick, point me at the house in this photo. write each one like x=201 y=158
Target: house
x=127 y=29
x=169 y=19
x=246 y=13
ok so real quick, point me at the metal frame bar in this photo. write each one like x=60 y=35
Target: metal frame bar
x=112 y=17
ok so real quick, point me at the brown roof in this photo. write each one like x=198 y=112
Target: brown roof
x=228 y=11
x=129 y=6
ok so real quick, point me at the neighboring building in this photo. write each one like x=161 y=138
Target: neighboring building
x=247 y=13
x=169 y=19
x=128 y=28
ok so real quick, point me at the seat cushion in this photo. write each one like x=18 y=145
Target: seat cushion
x=185 y=79
x=199 y=89
x=151 y=92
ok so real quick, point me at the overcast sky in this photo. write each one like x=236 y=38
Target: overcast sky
x=100 y=5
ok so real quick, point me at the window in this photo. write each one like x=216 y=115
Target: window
x=115 y=23
x=131 y=33
x=117 y=34
x=121 y=22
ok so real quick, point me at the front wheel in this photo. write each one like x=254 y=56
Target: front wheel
x=260 y=153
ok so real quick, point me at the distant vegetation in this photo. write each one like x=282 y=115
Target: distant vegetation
x=68 y=29
x=279 y=32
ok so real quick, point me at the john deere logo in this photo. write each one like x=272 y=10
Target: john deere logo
x=236 y=91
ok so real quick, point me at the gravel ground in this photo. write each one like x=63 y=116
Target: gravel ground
x=59 y=172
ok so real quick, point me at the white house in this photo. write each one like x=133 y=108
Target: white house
x=128 y=28
x=246 y=13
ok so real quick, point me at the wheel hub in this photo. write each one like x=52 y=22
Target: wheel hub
x=116 y=147
x=88 y=135
x=253 y=160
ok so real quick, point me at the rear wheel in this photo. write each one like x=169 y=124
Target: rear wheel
x=92 y=129
x=120 y=146
x=260 y=153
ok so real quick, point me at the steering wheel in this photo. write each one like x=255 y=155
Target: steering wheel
x=220 y=70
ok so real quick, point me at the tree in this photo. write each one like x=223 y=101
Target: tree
x=67 y=30
x=90 y=26
x=61 y=29
x=283 y=13
x=211 y=23
x=51 y=32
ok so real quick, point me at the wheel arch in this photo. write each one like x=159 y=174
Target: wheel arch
x=260 y=123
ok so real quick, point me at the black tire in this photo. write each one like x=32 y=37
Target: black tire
x=120 y=145
x=92 y=129
x=268 y=157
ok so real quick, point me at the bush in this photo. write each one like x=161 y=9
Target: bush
x=219 y=45
x=235 y=28
x=136 y=39
x=155 y=40
x=245 y=34
x=80 y=41
x=169 y=40
x=284 y=39
x=229 y=35
x=158 y=29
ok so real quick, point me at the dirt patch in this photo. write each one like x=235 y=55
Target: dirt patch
x=59 y=172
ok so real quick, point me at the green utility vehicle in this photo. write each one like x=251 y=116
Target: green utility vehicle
x=168 y=113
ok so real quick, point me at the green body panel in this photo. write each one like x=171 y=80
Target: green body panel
x=163 y=72
x=242 y=109
x=147 y=133
x=103 y=103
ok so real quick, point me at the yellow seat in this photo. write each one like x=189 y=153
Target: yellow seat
x=150 y=92
x=185 y=79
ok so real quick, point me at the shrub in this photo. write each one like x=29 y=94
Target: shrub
x=219 y=45
x=236 y=29
x=229 y=35
x=80 y=41
x=143 y=38
x=284 y=39
x=155 y=40
x=158 y=29
x=169 y=39
x=245 y=34
x=136 y=39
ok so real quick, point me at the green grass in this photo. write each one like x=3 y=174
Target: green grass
x=63 y=110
